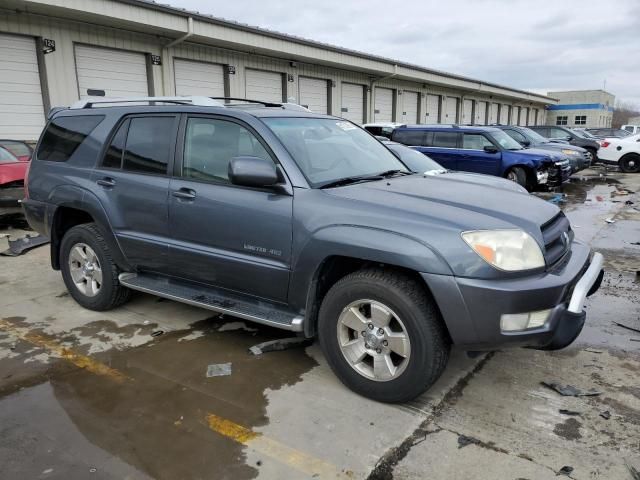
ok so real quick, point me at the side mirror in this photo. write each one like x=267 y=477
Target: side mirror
x=525 y=143
x=568 y=138
x=252 y=172
x=490 y=149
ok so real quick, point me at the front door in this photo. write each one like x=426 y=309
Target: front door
x=475 y=159
x=238 y=238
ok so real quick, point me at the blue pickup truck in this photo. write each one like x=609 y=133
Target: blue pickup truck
x=486 y=150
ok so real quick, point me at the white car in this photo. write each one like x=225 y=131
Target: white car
x=624 y=152
x=633 y=129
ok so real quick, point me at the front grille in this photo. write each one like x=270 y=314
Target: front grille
x=557 y=235
x=559 y=173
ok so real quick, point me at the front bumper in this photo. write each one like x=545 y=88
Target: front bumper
x=472 y=308
x=10 y=200
x=559 y=174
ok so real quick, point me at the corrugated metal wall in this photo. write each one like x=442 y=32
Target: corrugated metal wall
x=63 y=88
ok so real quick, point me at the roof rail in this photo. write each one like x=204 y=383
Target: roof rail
x=200 y=101
x=285 y=105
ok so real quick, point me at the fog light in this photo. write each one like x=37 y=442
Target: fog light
x=512 y=322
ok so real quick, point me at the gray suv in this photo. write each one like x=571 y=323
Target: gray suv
x=305 y=222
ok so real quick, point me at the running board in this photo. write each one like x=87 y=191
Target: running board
x=217 y=300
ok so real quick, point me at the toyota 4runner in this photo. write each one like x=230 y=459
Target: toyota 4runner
x=304 y=222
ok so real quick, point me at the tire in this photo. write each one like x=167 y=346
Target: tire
x=630 y=163
x=102 y=295
x=412 y=309
x=594 y=155
x=518 y=175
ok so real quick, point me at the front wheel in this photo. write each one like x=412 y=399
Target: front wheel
x=518 y=175
x=382 y=335
x=630 y=163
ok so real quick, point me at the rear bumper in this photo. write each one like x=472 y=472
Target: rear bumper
x=472 y=308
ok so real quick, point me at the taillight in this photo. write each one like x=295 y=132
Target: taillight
x=604 y=144
x=26 y=180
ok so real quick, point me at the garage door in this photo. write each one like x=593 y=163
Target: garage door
x=352 y=102
x=21 y=110
x=467 y=111
x=525 y=116
x=261 y=85
x=383 y=105
x=198 y=78
x=504 y=114
x=410 y=107
x=451 y=111
x=313 y=93
x=432 y=114
x=493 y=113
x=118 y=72
x=481 y=113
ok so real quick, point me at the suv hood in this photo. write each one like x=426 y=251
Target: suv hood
x=547 y=155
x=551 y=146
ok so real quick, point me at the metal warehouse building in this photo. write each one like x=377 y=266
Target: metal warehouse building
x=54 y=52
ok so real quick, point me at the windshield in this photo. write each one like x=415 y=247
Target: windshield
x=328 y=149
x=416 y=161
x=534 y=136
x=505 y=140
x=584 y=134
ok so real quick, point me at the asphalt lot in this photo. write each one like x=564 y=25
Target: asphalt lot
x=96 y=395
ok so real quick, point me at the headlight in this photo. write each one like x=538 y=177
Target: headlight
x=570 y=152
x=509 y=250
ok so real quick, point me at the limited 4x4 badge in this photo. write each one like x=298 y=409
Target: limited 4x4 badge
x=268 y=251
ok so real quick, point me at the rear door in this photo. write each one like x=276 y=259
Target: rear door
x=442 y=146
x=474 y=158
x=132 y=183
x=234 y=237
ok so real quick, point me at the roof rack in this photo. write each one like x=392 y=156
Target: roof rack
x=200 y=101
x=247 y=101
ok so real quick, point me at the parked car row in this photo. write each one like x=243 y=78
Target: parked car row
x=14 y=160
x=624 y=152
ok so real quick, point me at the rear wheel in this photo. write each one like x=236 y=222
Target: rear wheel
x=382 y=335
x=518 y=175
x=89 y=272
x=630 y=163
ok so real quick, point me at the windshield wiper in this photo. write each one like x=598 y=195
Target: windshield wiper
x=351 y=180
x=391 y=173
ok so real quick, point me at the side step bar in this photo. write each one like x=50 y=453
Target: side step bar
x=214 y=299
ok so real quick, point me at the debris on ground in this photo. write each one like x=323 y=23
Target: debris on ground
x=633 y=329
x=610 y=220
x=635 y=473
x=593 y=365
x=231 y=326
x=606 y=414
x=570 y=390
x=571 y=413
x=566 y=470
x=218 y=370
x=558 y=198
x=629 y=202
x=592 y=350
x=464 y=440
x=24 y=244
x=279 y=344
x=157 y=333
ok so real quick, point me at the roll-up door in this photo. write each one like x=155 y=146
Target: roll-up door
x=481 y=113
x=352 y=102
x=515 y=116
x=493 y=113
x=313 y=94
x=410 y=107
x=467 y=112
x=198 y=78
x=383 y=105
x=119 y=73
x=504 y=114
x=451 y=111
x=261 y=85
x=432 y=115
x=525 y=120
x=21 y=109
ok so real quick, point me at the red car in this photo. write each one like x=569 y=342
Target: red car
x=12 y=173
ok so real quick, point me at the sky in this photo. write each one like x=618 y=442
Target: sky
x=539 y=45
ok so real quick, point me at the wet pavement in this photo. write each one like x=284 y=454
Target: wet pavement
x=96 y=395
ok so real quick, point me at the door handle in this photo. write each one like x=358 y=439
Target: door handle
x=106 y=182
x=184 y=194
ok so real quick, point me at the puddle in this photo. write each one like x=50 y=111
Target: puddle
x=156 y=422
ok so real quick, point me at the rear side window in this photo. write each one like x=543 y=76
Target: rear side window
x=113 y=157
x=148 y=144
x=409 y=137
x=475 y=141
x=64 y=135
x=445 y=139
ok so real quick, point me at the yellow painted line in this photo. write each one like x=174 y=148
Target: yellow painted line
x=53 y=347
x=291 y=457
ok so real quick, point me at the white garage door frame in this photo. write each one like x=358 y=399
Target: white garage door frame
x=434 y=105
x=317 y=94
x=384 y=104
x=355 y=107
x=269 y=91
x=503 y=116
x=451 y=111
x=467 y=112
x=410 y=107
x=83 y=79
x=481 y=115
x=24 y=103
x=220 y=87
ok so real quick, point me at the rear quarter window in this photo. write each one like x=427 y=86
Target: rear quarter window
x=408 y=137
x=64 y=135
